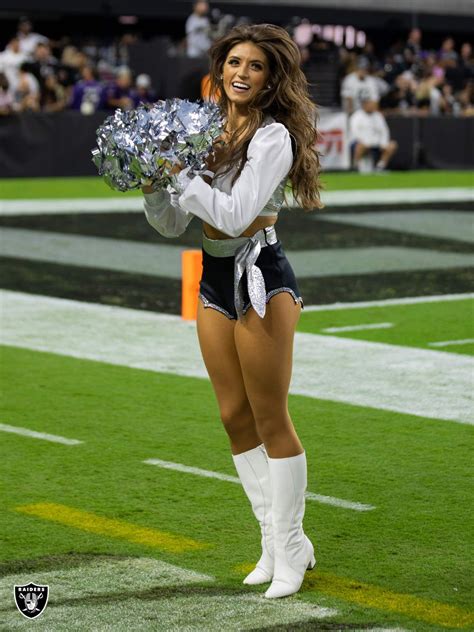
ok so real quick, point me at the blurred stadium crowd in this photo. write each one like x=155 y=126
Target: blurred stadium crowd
x=41 y=74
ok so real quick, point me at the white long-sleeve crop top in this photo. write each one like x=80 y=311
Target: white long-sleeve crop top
x=229 y=208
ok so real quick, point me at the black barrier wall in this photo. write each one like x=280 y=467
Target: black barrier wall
x=59 y=144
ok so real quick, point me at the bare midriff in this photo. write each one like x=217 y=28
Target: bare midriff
x=256 y=225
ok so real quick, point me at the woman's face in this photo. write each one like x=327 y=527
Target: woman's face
x=245 y=73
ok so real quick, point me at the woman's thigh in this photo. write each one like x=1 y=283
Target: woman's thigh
x=216 y=339
x=265 y=350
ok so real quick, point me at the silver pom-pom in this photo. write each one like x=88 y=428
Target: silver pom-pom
x=142 y=146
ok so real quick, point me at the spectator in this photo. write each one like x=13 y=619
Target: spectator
x=43 y=63
x=26 y=92
x=198 y=28
x=459 y=71
x=10 y=61
x=120 y=93
x=53 y=95
x=28 y=40
x=466 y=99
x=428 y=94
x=447 y=51
x=412 y=50
x=88 y=93
x=143 y=92
x=370 y=136
x=401 y=97
x=357 y=82
x=6 y=98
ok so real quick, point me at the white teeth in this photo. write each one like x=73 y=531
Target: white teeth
x=240 y=85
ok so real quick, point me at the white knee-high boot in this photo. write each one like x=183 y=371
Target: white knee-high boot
x=293 y=551
x=252 y=468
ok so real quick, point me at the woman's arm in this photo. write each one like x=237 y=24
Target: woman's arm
x=164 y=213
x=269 y=160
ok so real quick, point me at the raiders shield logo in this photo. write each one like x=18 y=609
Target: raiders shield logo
x=31 y=599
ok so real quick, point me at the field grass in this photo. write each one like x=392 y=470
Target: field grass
x=414 y=325
x=404 y=563
x=91 y=187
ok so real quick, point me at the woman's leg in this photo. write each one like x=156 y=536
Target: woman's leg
x=265 y=348
x=265 y=351
x=216 y=339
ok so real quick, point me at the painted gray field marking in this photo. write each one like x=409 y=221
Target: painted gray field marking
x=25 y=432
x=164 y=260
x=333 y=330
x=143 y=594
x=409 y=380
x=409 y=300
x=447 y=343
x=92 y=252
x=127 y=204
x=442 y=224
x=327 y=500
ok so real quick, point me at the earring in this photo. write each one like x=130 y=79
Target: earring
x=269 y=86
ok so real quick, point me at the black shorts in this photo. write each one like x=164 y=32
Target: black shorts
x=217 y=282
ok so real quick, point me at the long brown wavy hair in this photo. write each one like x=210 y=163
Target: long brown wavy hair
x=287 y=101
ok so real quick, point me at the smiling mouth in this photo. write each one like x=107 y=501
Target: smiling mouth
x=239 y=87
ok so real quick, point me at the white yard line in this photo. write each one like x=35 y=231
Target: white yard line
x=128 y=204
x=448 y=343
x=333 y=330
x=409 y=300
x=408 y=380
x=25 y=432
x=327 y=500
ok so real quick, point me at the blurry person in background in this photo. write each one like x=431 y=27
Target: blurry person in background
x=412 y=49
x=370 y=137
x=428 y=93
x=143 y=92
x=401 y=97
x=69 y=67
x=458 y=71
x=358 y=82
x=53 y=94
x=198 y=28
x=466 y=99
x=10 y=61
x=28 y=40
x=120 y=93
x=6 y=98
x=43 y=63
x=447 y=50
x=26 y=93
x=88 y=93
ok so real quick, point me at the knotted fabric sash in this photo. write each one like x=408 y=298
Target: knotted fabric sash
x=246 y=251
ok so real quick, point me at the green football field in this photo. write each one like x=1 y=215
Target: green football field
x=117 y=484
x=87 y=187
x=125 y=544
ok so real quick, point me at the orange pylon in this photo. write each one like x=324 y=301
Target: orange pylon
x=191 y=268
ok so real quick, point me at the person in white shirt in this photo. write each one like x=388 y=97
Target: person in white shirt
x=369 y=135
x=249 y=298
x=357 y=83
x=29 y=40
x=10 y=61
x=198 y=29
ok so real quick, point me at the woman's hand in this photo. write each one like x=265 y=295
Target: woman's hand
x=147 y=188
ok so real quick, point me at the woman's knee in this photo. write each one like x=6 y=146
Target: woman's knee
x=237 y=418
x=271 y=425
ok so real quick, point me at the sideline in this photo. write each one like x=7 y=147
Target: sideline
x=352 y=197
x=421 y=382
